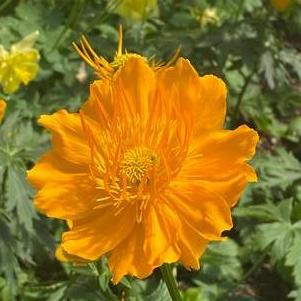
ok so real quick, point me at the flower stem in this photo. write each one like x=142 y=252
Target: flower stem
x=170 y=282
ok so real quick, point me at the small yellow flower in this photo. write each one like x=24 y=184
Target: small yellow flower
x=2 y=109
x=19 y=65
x=206 y=16
x=105 y=69
x=136 y=10
x=281 y=5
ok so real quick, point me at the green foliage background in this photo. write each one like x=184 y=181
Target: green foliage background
x=256 y=50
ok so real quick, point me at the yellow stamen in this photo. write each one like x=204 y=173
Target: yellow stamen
x=137 y=163
x=120 y=60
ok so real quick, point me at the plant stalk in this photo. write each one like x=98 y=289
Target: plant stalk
x=170 y=282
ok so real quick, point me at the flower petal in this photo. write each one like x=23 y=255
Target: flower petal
x=128 y=257
x=2 y=109
x=61 y=188
x=69 y=141
x=98 y=233
x=63 y=256
x=216 y=160
x=133 y=85
x=204 y=211
x=192 y=246
x=160 y=243
x=99 y=107
x=180 y=243
x=204 y=97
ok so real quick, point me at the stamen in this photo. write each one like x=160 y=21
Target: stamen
x=137 y=163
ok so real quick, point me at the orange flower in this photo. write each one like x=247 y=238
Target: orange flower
x=145 y=172
x=2 y=109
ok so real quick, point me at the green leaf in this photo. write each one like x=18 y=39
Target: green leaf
x=294 y=259
x=278 y=236
x=221 y=261
x=19 y=195
x=267 y=66
x=8 y=260
x=151 y=289
x=279 y=170
x=193 y=294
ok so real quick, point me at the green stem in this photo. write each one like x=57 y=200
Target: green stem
x=240 y=97
x=170 y=282
x=71 y=21
x=255 y=266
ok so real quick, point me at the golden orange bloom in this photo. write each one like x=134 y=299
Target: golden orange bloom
x=145 y=172
x=20 y=64
x=281 y=5
x=2 y=109
x=105 y=69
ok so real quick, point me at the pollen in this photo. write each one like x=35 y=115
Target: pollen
x=137 y=164
x=121 y=59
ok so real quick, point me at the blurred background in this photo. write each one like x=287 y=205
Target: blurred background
x=254 y=45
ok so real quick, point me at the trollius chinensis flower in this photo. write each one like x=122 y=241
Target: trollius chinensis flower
x=144 y=174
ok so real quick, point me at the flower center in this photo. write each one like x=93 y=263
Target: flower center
x=137 y=164
x=121 y=59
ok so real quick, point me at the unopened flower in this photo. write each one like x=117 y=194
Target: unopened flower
x=206 y=16
x=2 y=109
x=281 y=5
x=105 y=69
x=136 y=10
x=19 y=65
x=144 y=174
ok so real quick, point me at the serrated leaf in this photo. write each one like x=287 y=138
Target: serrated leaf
x=18 y=194
x=150 y=290
x=293 y=259
x=279 y=236
x=221 y=261
x=268 y=212
x=280 y=170
x=8 y=261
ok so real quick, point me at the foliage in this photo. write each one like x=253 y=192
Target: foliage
x=250 y=44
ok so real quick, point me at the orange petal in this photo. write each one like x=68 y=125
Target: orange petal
x=203 y=97
x=99 y=107
x=128 y=257
x=2 y=109
x=98 y=233
x=212 y=103
x=133 y=85
x=232 y=185
x=182 y=242
x=217 y=161
x=192 y=246
x=68 y=140
x=204 y=211
x=160 y=244
x=63 y=256
x=139 y=254
x=61 y=188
